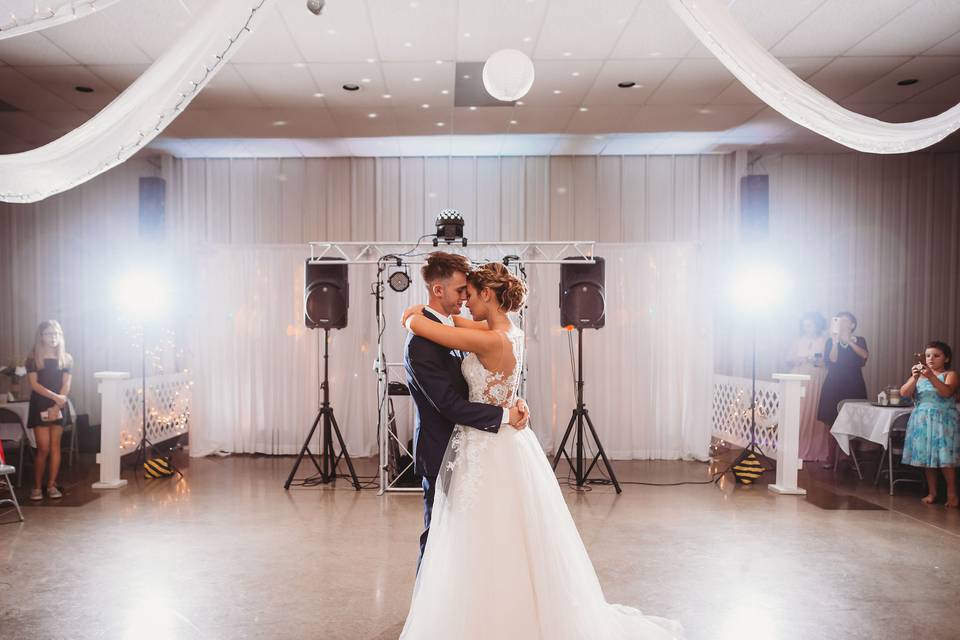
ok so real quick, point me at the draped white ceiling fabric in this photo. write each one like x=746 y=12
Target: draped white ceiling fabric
x=782 y=90
x=140 y=113
x=26 y=16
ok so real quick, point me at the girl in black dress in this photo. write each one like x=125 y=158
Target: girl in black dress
x=48 y=371
x=845 y=355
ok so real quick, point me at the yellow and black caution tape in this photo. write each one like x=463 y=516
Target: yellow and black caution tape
x=748 y=469
x=157 y=468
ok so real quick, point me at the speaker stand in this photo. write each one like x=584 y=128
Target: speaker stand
x=329 y=459
x=579 y=417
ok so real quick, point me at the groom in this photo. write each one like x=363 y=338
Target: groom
x=438 y=387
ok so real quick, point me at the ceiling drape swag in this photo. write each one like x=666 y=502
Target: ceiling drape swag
x=28 y=16
x=140 y=113
x=782 y=90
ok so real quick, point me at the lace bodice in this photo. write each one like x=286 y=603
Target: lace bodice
x=490 y=387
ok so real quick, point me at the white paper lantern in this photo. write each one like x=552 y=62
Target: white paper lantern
x=508 y=75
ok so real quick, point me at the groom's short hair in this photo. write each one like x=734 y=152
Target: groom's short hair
x=441 y=265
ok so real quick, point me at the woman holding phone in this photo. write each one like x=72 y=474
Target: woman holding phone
x=845 y=355
x=48 y=371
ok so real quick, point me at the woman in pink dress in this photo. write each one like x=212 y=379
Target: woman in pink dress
x=806 y=356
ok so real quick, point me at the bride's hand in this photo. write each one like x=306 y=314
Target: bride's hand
x=415 y=309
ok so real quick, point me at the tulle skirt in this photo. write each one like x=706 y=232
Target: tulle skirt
x=504 y=558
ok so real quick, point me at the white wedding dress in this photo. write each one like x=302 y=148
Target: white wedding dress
x=504 y=559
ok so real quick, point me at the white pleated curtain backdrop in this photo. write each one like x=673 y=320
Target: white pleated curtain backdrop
x=257 y=368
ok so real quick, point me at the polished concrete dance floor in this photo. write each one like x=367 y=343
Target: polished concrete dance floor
x=227 y=553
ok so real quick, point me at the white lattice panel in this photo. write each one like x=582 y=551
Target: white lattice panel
x=168 y=409
x=731 y=411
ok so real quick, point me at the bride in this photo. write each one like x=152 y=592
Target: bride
x=504 y=559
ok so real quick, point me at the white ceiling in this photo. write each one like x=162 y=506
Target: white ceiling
x=281 y=94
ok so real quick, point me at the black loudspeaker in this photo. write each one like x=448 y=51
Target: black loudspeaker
x=152 y=208
x=582 y=294
x=754 y=208
x=326 y=294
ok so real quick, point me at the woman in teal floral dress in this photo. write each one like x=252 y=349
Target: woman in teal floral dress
x=932 y=433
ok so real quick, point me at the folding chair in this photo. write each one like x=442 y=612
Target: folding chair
x=895 y=440
x=22 y=443
x=6 y=471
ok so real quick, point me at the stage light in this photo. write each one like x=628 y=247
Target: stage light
x=142 y=293
x=399 y=281
x=758 y=287
x=449 y=227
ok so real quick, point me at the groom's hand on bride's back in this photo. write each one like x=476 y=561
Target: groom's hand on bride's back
x=519 y=414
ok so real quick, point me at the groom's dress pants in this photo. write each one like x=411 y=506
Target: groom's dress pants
x=429 y=488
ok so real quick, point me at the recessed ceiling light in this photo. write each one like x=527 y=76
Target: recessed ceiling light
x=408 y=44
x=513 y=122
x=438 y=61
x=567 y=54
x=371 y=60
x=584 y=109
x=575 y=74
x=907 y=82
x=351 y=87
x=416 y=78
x=473 y=108
x=414 y=5
x=365 y=80
x=466 y=35
x=299 y=65
x=387 y=96
x=466 y=76
x=83 y=89
x=318 y=95
x=279 y=123
x=626 y=84
x=705 y=111
x=520 y=103
x=332 y=32
x=424 y=106
x=527 y=39
x=598 y=137
x=371 y=115
x=655 y=54
x=445 y=91
x=440 y=124
x=557 y=91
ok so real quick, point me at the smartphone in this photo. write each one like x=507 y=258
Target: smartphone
x=835 y=325
x=918 y=358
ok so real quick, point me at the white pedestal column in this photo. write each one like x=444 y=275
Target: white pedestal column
x=788 y=430
x=110 y=412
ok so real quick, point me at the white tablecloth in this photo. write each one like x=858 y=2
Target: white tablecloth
x=22 y=409
x=860 y=419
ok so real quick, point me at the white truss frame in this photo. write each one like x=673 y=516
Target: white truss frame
x=547 y=252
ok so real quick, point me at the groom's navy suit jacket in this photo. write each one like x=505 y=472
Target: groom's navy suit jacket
x=440 y=393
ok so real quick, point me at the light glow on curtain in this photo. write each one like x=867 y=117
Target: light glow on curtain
x=782 y=90
x=140 y=113
x=647 y=373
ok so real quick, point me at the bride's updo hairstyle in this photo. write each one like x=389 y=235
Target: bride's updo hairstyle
x=511 y=292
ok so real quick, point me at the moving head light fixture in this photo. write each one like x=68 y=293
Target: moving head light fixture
x=449 y=227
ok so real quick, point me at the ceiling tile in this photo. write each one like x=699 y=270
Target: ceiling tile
x=602 y=119
x=836 y=26
x=271 y=42
x=153 y=26
x=342 y=33
x=648 y=74
x=120 y=76
x=429 y=28
x=484 y=119
x=27 y=128
x=23 y=93
x=32 y=49
x=929 y=70
x=948 y=47
x=353 y=123
x=484 y=27
x=911 y=32
x=558 y=75
x=693 y=81
x=542 y=119
x=96 y=40
x=654 y=32
x=583 y=29
x=416 y=83
x=910 y=111
x=654 y=118
x=845 y=76
x=947 y=92
x=280 y=85
x=228 y=90
x=330 y=78
x=63 y=80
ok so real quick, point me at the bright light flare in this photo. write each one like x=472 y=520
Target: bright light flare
x=758 y=287
x=142 y=293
